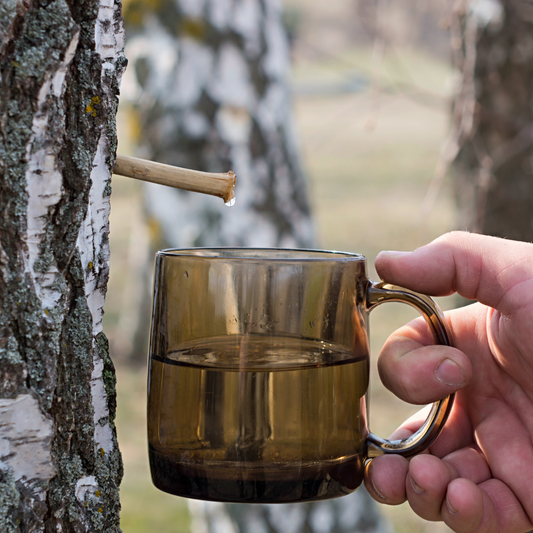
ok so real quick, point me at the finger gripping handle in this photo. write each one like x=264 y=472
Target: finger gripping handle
x=376 y=294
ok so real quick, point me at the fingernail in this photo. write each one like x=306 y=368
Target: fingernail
x=376 y=490
x=450 y=507
x=417 y=488
x=450 y=373
x=393 y=253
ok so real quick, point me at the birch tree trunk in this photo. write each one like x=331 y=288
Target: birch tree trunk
x=493 y=169
x=209 y=82
x=209 y=79
x=60 y=466
x=208 y=90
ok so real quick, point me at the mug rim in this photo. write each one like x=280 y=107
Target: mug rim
x=216 y=252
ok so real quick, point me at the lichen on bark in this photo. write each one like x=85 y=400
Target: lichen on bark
x=9 y=503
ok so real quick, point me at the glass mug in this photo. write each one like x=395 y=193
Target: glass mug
x=258 y=373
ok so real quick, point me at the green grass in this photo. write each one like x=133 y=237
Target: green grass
x=144 y=508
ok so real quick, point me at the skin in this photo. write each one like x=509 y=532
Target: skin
x=477 y=477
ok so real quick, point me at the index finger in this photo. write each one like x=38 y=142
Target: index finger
x=488 y=269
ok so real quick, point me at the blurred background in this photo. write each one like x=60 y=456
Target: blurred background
x=356 y=125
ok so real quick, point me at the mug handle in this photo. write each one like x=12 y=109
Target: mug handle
x=376 y=294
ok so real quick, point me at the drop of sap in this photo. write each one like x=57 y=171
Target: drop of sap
x=230 y=202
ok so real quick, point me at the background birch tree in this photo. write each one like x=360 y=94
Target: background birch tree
x=209 y=88
x=60 y=66
x=491 y=142
x=209 y=81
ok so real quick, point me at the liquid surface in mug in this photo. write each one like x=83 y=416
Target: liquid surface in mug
x=258 y=419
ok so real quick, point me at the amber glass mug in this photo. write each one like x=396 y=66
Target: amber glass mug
x=259 y=368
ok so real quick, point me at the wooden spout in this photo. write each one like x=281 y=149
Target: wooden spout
x=221 y=185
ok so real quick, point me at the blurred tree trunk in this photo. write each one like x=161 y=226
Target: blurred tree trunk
x=493 y=116
x=60 y=65
x=211 y=93
x=209 y=86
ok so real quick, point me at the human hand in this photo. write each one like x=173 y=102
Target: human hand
x=478 y=476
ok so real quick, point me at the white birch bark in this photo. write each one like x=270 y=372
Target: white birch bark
x=60 y=69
